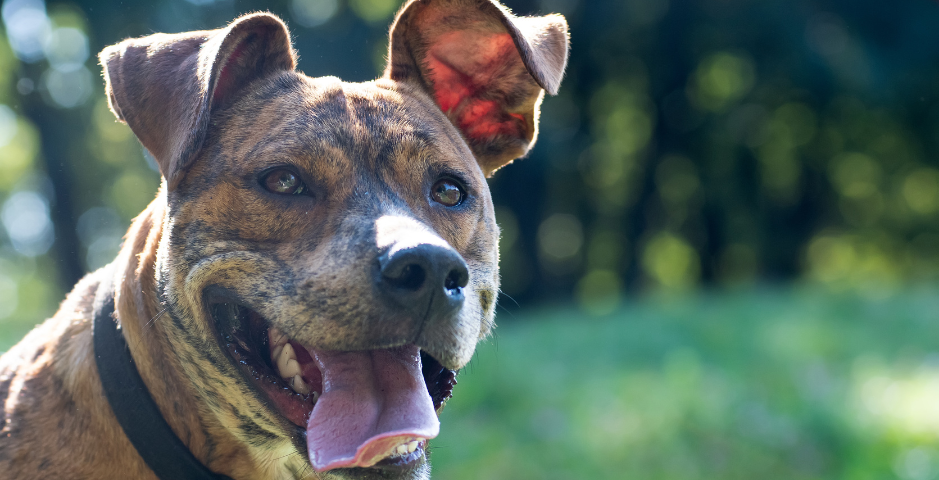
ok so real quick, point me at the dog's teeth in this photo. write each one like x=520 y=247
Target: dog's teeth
x=287 y=365
x=285 y=358
x=298 y=385
x=412 y=445
x=291 y=370
x=401 y=450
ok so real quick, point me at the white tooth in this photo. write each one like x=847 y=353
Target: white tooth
x=291 y=369
x=412 y=445
x=298 y=385
x=286 y=355
x=275 y=354
x=401 y=450
x=315 y=396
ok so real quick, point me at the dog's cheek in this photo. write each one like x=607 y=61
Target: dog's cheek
x=482 y=256
x=215 y=379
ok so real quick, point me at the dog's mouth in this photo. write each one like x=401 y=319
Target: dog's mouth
x=373 y=408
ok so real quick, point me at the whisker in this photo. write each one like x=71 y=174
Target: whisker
x=285 y=456
x=309 y=475
x=149 y=324
x=502 y=307
x=155 y=317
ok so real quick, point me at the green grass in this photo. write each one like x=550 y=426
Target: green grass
x=775 y=384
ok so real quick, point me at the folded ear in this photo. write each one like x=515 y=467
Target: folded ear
x=486 y=69
x=166 y=86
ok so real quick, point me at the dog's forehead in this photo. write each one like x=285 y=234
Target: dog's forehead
x=336 y=127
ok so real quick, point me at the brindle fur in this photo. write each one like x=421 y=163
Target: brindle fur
x=368 y=151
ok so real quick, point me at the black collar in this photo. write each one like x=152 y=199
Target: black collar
x=131 y=402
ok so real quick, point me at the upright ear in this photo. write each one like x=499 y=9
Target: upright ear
x=166 y=86
x=486 y=69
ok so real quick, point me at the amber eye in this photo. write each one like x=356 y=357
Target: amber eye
x=447 y=192
x=283 y=182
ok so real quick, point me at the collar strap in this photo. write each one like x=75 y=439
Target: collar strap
x=131 y=402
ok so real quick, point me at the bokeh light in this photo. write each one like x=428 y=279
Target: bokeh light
x=25 y=216
x=312 y=13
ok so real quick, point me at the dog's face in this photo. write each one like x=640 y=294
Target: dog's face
x=329 y=258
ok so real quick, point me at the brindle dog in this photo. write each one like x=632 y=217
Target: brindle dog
x=320 y=259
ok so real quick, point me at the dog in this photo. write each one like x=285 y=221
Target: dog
x=320 y=259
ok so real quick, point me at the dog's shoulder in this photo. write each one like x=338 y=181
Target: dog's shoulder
x=31 y=357
x=51 y=397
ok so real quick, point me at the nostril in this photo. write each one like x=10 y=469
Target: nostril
x=455 y=280
x=450 y=282
x=410 y=277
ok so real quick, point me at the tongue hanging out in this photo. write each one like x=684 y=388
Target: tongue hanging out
x=372 y=403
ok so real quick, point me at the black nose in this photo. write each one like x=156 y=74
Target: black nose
x=425 y=279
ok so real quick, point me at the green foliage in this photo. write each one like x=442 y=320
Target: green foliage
x=374 y=11
x=781 y=384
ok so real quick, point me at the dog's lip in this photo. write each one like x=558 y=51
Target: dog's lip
x=398 y=466
x=268 y=387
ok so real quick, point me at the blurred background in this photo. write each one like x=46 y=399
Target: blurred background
x=719 y=261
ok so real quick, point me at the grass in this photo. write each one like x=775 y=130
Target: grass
x=792 y=383
x=775 y=384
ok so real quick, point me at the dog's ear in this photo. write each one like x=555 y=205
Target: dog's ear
x=165 y=86
x=486 y=69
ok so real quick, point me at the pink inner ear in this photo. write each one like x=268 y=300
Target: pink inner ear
x=467 y=69
x=226 y=76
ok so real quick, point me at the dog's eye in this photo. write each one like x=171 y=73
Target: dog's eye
x=447 y=192
x=283 y=182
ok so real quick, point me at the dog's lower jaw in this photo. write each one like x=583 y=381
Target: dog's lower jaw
x=421 y=472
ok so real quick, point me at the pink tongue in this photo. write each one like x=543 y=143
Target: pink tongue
x=372 y=402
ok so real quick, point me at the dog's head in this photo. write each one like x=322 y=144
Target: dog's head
x=329 y=254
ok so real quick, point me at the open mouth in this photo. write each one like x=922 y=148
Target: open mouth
x=359 y=409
